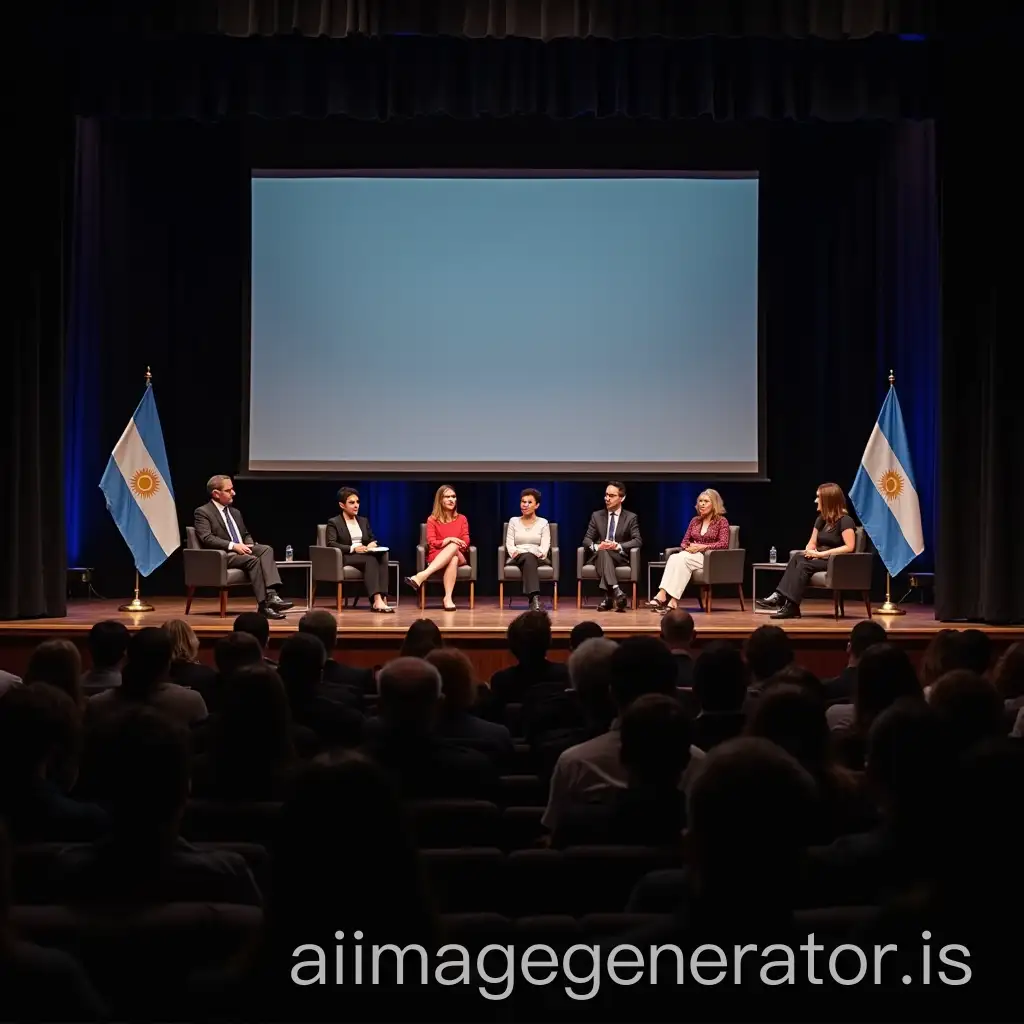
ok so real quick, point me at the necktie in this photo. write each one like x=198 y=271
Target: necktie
x=611 y=527
x=232 y=529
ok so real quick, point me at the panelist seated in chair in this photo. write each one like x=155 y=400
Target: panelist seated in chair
x=612 y=533
x=708 y=531
x=352 y=534
x=447 y=544
x=528 y=544
x=834 y=534
x=219 y=525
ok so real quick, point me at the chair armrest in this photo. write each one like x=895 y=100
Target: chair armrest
x=421 y=557
x=724 y=565
x=669 y=552
x=205 y=567
x=850 y=571
x=473 y=561
x=501 y=563
x=634 y=564
x=580 y=556
x=796 y=551
x=556 y=564
x=327 y=562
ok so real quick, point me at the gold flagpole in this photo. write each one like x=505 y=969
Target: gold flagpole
x=137 y=604
x=890 y=607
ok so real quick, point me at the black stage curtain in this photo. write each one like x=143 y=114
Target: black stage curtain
x=980 y=558
x=171 y=261
x=530 y=19
x=211 y=77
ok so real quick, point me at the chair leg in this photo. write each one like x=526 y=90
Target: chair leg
x=188 y=599
x=579 y=593
x=835 y=603
x=634 y=595
x=842 y=605
x=739 y=590
x=312 y=595
x=472 y=594
x=501 y=596
x=339 y=599
x=556 y=596
x=707 y=600
x=867 y=601
x=223 y=601
x=423 y=596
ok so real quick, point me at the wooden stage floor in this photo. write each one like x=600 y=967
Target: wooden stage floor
x=365 y=638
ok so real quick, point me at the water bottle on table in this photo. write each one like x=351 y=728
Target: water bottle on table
x=773 y=556
x=289 y=554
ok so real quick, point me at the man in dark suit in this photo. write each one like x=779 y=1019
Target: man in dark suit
x=220 y=526
x=612 y=534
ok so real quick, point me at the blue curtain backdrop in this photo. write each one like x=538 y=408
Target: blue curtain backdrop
x=849 y=285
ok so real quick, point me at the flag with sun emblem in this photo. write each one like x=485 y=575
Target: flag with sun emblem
x=137 y=488
x=884 y=493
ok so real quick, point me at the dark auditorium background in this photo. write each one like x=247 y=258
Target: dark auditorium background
x=884 y=133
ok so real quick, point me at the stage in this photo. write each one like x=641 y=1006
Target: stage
x=369 y=639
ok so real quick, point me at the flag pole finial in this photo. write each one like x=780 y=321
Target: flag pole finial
x=149 y=378
x=892 y=379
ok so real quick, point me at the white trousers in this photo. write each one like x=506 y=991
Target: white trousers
x=678 y=570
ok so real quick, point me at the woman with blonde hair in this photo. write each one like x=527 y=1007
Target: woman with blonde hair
x=708 y=531
x=186 y=668
x=447 y=544
x=834 y=533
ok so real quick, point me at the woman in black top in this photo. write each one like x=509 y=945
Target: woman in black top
x=833 y=534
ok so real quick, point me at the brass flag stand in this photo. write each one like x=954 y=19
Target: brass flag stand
x=137 y=604
x=890 y=607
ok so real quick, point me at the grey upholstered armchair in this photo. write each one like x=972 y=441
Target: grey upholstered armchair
x=723 y=566
x=850 y=571
x=546 y=573
x=623 y=573
x=467 y=572
x=328 y=566
x=208 y=567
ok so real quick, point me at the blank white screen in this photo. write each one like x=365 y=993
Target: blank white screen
x=504 y=324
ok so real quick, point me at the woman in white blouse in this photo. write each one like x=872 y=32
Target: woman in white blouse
x=352 y=535
x=527 y=544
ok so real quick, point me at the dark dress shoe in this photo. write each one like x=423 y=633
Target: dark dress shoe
x=271 y=611
x=279 y=604
x=788 y=611
x=621 y=602
x=606 y=605
x=774 y=601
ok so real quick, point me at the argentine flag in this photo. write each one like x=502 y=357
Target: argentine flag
x=137 y=488
x=884 y=493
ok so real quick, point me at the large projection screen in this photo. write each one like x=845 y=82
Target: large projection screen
x=462 y=323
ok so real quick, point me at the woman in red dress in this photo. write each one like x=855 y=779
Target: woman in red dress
x=447 y=544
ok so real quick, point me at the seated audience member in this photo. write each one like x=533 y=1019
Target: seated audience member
x=38 y=982
x=447 y=544
x=1017 y=732
x=403 y=740
x=528 y=544
x=456 y=721
x=422 y=637
x=108 y=641
x=145 y=679
x=708 y=531
x=678 y=634
x=301 y=668
x=969 y=708
x=8 y=680
x=909 y=767
x=767 y=650
x=352 y=534
x=58 y=663
x=230 y=653
x=590 y=679
x=342 y=682
x=862 y=636
x=186 y=668
x=793 y=718
x=258 y=626
x=885 y=674
x=1009 y=680
x=250 y=745
x=796 y=675
x=582 y=631
x=529 y=640
x=330 y=878
x=40 y=739
x=976 y=651
x=834 y=533
x=592 y=771
x=944 y=653
x=720 y=686
x=650 y=811
x=142 y=775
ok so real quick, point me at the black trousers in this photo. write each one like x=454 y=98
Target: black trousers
x=375 y=570
x=798 y=574
x=259 y=567
x=528 y=563
x=606 y=562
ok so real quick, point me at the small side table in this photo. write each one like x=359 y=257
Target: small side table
x=650 y=566
x=308 y=567
x=765 y=567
